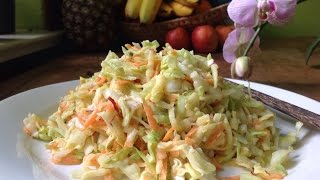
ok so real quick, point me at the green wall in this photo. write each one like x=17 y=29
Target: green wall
x=29 y=14
x=306 y=22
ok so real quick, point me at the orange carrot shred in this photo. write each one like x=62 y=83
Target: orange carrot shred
x=168 y=134
x=164 y=170
x=273 y=176
x=91 y=119
x=109 y=176
x=123 y=82
x=192 y=131
x=67 y=160
x=100 y=80
x=94 y=161
x=175 y=154
x=138 y=64
x=216 y=164
x=230 y=178
x=215 y=134
x=27 y=131
x=151 y=120
x=115 y=106
x=140 y=144
x=156 y=68
x=189 y=79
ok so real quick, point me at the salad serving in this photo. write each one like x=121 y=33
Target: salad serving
x=162 y=115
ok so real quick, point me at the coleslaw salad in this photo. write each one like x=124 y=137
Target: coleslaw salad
x=162 y=115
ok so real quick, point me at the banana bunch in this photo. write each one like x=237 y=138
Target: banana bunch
x=183 y=7
x=145 y=10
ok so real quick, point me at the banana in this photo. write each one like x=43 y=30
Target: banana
x=132 y=8
x=180 y=9
x=165 y=10
x=190 y=3
x=148 y=10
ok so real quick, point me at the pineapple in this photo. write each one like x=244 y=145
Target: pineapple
x=90 y=23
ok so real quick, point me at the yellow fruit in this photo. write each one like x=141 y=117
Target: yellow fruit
x=190 y=3
x=132 y=8
x=165 y=10
x=181 y=10
x=148 y=10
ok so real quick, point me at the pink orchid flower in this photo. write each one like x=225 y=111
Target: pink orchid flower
x=250 y=12
x=236 y=43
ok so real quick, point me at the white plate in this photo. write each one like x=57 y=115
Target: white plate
x=43 y=101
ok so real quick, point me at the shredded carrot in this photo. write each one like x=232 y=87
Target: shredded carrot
x=137 y=81
x=189 y=79
x=67 y=160
x=256 y=122
x=94 y=161
x=215 y=134
x=115 y=146
x=230 y=178
x=168 y=134
x=99 y=123
x=140 y=144
x=189 y=141
x=273 y=176
x=175 y=154
x=27 y=131
x=101 y=105
x=81 y=120
x=151 y=120
x=109 y=176
x=192 y=131
x=100 y=80
x=138 y=64
x=141 y=164
x=115 y=106
x=134 y=123
x=216 y=164
x=137 y=56
x=171 y=97
x=104 y=151
x=92 y=118
x=129 y=46
x=63 y=106
x=161 y=154
x=52 y=145
x=123 y=82
x=209 y=81
x=129 y=143
x=156 y=67
x=164 y=170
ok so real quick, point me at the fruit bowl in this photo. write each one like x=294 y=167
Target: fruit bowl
x=137 y=32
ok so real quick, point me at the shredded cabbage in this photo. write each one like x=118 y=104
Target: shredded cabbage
x=165 y=115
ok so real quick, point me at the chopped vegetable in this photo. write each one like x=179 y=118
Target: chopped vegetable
x=166 y=115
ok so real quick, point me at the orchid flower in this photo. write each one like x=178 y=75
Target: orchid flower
x=250 y=13
x=237 y=42
x=247 y=14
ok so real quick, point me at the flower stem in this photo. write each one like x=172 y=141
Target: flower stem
x=300 y=1
x=253 y=39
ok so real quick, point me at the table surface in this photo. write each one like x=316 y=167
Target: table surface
x=280 y=64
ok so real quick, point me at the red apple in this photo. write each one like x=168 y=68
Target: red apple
x=178 y=38
x=204 y=39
